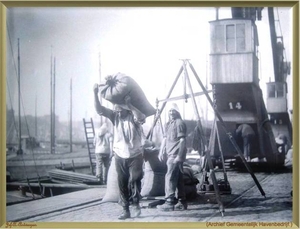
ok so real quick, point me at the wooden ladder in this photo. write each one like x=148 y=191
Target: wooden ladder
x=89 y=136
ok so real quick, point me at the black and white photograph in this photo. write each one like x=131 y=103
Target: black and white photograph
x=134 y=114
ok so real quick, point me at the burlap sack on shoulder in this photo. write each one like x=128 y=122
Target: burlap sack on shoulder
x=118 y=86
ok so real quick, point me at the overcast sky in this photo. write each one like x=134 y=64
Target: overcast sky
x=144 y=43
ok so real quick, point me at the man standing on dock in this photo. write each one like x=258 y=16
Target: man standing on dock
x=103 y=151
x=128 y=148
x=174 y=146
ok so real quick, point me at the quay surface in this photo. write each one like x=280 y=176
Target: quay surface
x=244 y=204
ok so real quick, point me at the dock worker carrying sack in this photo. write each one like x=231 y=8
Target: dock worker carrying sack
x=118 y=86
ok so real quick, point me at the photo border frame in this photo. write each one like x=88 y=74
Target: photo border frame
x=180 y=3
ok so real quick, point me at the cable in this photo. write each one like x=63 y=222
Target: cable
x=281 y=34
x=26 y=174
x=9 y=95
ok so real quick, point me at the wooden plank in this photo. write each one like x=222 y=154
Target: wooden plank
x=48 y=185
x=22 y=211
x=13 y=197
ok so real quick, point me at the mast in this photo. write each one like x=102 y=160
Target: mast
x=51 y=106
x=20 y=151
x=71 y=149
x=35 y=119
x=53 y=119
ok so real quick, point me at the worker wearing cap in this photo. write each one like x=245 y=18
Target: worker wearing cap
x=128 y=148
x=103 y=151
x=174 y=146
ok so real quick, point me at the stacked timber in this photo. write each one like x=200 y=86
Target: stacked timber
x=61 y=176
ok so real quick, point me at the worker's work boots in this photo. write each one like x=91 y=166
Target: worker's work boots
x=135 y=210
x=125 y=214
x=166 y=207
x=180 y=206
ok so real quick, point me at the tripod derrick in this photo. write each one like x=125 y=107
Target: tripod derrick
x=209 y=148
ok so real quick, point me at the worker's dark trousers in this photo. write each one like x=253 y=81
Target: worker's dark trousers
x=130 y=174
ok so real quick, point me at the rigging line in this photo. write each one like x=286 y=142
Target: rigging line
x=12 y=52
x=9 y=96
x=15 y=67
x=31 y=148
x=26 y=175
x=8 y=32
x=27 y=127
